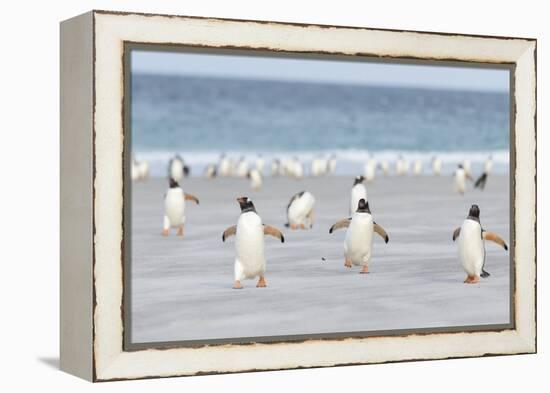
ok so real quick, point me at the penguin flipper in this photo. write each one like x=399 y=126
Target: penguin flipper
x=229 y=232
x=378 y=229
x=456 y=233
x=340 y=224
x=269 y=230
x=484 y=274
x=491 y=236
x=190 y=197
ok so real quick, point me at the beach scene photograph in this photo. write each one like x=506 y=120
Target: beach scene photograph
x=274 y=198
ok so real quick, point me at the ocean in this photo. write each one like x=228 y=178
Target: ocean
x=201 y=118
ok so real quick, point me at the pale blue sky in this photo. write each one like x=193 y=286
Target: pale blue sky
x=273 y=68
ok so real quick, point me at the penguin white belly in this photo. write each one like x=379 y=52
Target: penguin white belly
x=460 y=181
x=358 y=242
x=300 y=209
x=370 y=171
x=358 y=192
x=176 y=170
x=255 y=180
x=250 y=260
x=471 y=248
x=437 y=167
x=174 y=207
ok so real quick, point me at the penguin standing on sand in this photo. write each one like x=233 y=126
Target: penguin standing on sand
x=299 y=211
x=210 y=171
x=249 y=242
x=385 y=167
x=370 y=170
x=275 y=167
x=255 y=177
x=436 y=165
x=460 y=177
x=242 y=167
x=174 y=208
x=359 y=236
x=358 y=191
x=417 y=167
x=177 y=168
x=224 y=166
x=471 y=245
x=260 y=163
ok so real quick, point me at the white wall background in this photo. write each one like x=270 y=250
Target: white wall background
x=29 y=180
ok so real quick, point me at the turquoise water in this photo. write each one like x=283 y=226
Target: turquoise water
x=203 y=117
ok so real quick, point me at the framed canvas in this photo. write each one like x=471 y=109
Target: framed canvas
x=226 y=185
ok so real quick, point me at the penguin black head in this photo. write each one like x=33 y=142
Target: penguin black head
x=473 y=214
x=246 y=204
x=363 y=206
x=460 y=166
x=358 y=180
x=173 y=183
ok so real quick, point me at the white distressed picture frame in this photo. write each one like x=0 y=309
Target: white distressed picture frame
x=92 y=202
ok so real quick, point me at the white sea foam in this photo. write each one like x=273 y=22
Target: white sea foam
x=350 y=162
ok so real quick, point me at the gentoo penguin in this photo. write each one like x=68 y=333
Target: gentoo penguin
x=319 y=166
x=471 y=245
x=358 y=191
x=400 y=166
x=177 y=168
x=331 y=165
x=481 y=180
x=385 y=167
x=260 y=163
x=299 y=211
x=242 y=167
x=210 y=171
x=249 y=232
x=174 y=208
x=225 y=166
x=140 y=170
x=297 y=168
x=359 y=236
x=460 y=177
x=275 y=167
x=255 y=177
x=417 y=168
x=436 y=165
x=370 y=170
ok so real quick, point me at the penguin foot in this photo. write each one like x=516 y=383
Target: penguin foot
x=302 y=226
x=165 y=232
x=365 y=270
x=293 y=226
x=471 y=280
x=180 y=231
x=347 y=263
x=261 y=282
x=237 y=285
